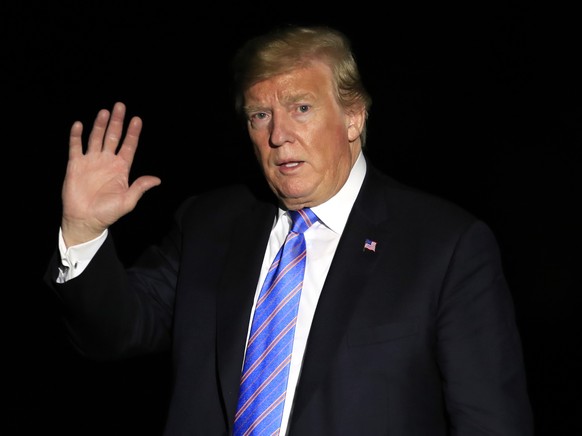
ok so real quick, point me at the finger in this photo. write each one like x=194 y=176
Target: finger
x=75 y=140
x=95 y=142
x=139 y=187
x=131 y=140
x=115 y=128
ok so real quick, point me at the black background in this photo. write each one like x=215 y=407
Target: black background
x=477 y=103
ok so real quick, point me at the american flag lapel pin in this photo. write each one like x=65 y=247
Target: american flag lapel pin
x=369 y=245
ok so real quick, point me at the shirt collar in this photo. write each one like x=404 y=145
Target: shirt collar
x=335 y=211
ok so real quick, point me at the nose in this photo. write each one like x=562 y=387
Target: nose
x=281 y=129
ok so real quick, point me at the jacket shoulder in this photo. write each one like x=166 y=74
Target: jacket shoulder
x=415 y=199
x=224 y=203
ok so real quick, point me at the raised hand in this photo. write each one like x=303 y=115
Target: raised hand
x=96 y=190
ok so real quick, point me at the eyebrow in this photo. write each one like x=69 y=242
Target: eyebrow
x=298 y=97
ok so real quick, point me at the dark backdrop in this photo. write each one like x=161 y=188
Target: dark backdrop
x=479 y=104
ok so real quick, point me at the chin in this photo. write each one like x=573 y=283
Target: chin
x=295 y=194
x=296 y=202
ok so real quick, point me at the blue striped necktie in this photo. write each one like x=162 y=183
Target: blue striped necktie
x=268 y=356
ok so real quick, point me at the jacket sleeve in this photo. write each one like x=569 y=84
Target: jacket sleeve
x=479 y=347
x=111 y=312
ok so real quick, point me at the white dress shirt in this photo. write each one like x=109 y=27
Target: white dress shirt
x=321 y=240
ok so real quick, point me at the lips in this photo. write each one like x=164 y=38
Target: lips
x=289 y=165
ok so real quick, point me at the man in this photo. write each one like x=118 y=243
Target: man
x=405 y=324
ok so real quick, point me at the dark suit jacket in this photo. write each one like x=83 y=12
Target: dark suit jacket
x=416 y=338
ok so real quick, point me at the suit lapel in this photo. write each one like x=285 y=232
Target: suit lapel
x=350 y=270
x=235 y=297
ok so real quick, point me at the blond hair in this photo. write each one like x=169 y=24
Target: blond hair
x=290 y=47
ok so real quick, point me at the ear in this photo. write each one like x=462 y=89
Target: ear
x=355 y=123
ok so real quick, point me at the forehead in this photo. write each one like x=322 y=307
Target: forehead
x=312 y=80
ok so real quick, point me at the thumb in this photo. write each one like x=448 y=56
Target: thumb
x=140 y=186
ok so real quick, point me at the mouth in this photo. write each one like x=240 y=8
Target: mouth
x=289 y=164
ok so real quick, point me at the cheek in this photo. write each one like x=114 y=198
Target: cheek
x=334 y=144
x=260 y=144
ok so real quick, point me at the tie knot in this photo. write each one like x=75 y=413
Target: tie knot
x=302 y=219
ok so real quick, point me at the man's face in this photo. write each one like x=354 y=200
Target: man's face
x=305 y=142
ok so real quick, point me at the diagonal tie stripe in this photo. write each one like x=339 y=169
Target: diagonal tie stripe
x=263 y=382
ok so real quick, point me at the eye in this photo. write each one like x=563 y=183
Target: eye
x=303 y=108
x=258 y=119
x=258 y=116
